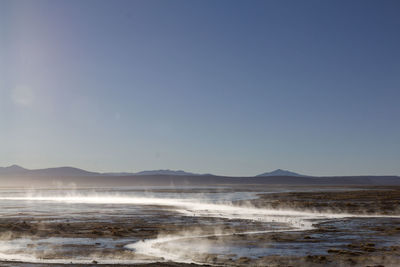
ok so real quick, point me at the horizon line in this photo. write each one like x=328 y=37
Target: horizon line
x=190 y=172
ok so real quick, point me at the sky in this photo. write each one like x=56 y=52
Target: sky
x=224 y=87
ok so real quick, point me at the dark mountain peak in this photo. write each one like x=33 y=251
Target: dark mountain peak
x=12 y=169
x=15 y=167
x=280 y=172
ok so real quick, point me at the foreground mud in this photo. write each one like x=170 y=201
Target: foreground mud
x=348 y=241
x=369 y=200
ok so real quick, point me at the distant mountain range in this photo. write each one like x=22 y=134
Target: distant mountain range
x=71 y=171
x=58 y=171
x=280 y=172
x=165 y=172
x=153 y=172
x=12 y=169
x=18 y=176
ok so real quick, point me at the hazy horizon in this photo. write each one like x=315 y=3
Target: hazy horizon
x=224 y=87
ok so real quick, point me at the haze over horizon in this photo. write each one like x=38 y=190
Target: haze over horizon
x=222 y=87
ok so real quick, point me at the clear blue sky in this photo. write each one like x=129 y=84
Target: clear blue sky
x=223 y=87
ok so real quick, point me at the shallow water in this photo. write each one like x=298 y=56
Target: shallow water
x=159 y=205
